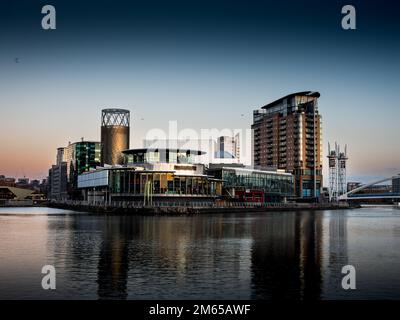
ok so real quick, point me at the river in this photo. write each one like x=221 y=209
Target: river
x=276 y=255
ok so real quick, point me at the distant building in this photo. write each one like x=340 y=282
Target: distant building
x=34 y=184
x=287 y=135
x=228 y=148
x=58 y=182
x=62 y=154
x=353 y=185
x=396 y=185
x=6 y=181
x=71 y=161
x=23 y=180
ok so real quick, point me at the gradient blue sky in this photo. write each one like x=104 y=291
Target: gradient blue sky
x=200 y=63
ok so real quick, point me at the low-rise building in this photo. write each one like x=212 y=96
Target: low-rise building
x=15 y=196
x=6 y=181
x=150 y=175
x=246 y=184
x=172 y=175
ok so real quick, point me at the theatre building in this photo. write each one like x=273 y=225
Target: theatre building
x=150 y=176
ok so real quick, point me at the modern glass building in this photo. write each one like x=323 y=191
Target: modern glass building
x=160 y=155
x=156 y=174
x=71 y=161
x=165 y=175
x=248 y=184
x=81 y=157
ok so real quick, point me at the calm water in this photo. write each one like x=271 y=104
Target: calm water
x=285 y=255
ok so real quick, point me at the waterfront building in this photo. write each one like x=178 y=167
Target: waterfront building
x=15 y=196
x=287 y=136
x=152 y=175
x=246 y=184
x=115 y=128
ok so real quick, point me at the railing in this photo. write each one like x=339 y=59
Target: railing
x=193 y=204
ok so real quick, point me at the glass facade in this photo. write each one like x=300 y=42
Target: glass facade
x=269 y=182
x=396 y=185
x=138 y=156
x=94 y=179
x=83 y=156
x=131 y=182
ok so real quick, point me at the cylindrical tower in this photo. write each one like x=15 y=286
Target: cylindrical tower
x=114 y=135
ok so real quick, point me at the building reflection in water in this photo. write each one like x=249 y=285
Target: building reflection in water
x=336 y=254
x=270 y=256
x=174 y=257
x=113 y=264
x=286 y=256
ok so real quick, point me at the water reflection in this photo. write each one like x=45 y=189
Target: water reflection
x=173 y=257
x=286 y=257
x=336 y=252
x=278 y=256
x=282 y=255
x=113 y=263
x=273 y=257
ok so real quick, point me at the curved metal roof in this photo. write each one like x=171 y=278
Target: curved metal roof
x=315 y=94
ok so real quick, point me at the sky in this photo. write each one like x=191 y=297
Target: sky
x=205 y=64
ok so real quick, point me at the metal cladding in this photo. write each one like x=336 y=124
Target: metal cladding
x=114 y=135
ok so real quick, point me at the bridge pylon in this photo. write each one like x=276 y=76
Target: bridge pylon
x=337 y=172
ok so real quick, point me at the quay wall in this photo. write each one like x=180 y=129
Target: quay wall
x=129 y=208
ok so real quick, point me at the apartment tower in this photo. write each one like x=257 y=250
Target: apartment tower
x=287 y=135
